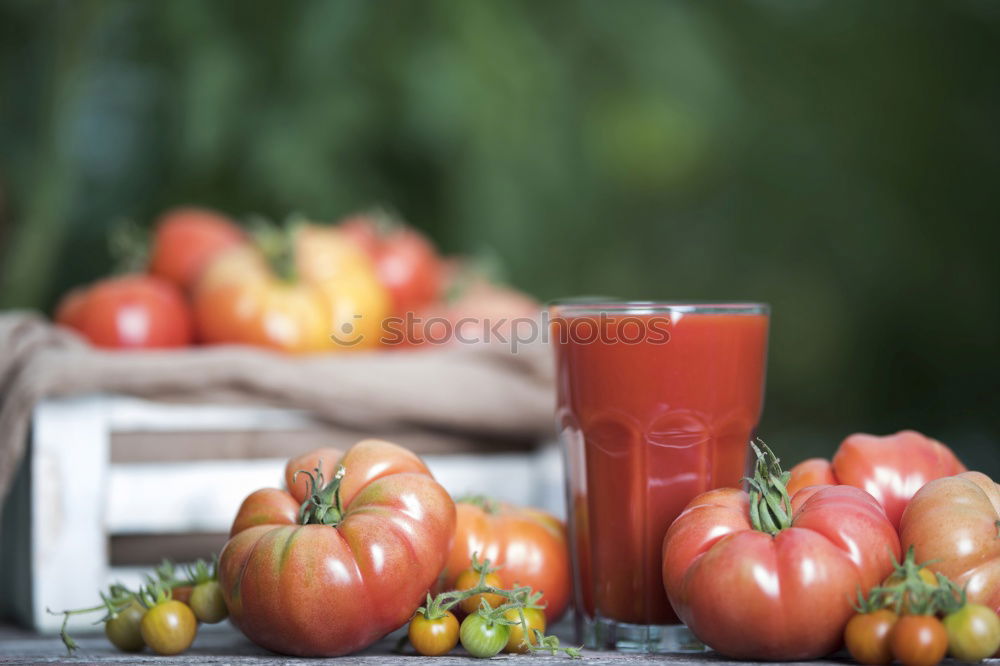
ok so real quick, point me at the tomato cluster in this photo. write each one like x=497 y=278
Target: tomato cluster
x=301 y=287
x=769 y=574
x=344 y=554
x=162 y=615
x=496 y=619
x=916 y=618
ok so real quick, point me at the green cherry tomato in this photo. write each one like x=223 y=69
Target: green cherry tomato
x=169 y=627
x=207 y=602
x=433 y=638
x=973 y=633
x=483 y=638
x=123 y=629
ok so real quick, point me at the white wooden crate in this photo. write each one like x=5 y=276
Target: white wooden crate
x=59 y=519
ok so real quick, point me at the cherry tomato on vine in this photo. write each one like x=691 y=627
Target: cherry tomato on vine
x=528 y=547
x=973 y=633
x=483 y=638
x=918 y=640
x=433 y=638
x=535 y=617
x=182 y=593
x=123 y=629
x=468 y=579
x=925 y=574
x=207 y=602
x=169 y=627
x=867 y=636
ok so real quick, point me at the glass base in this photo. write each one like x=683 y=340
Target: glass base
x=604 y=634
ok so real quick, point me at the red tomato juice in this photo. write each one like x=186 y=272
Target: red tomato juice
x=647 y=425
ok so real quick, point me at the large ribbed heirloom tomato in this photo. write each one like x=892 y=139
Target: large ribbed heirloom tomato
x=765 y=576
x=335 y=564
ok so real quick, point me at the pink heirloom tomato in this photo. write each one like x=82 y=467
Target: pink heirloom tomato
x=765 y=576
x=890 y=469
x=337 y=563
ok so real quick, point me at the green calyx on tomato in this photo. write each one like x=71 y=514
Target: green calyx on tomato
x=487 y=504
x=917 y=596
x=275 y=243
x=912 y=590
x=770 y=505
x=169 y=626
x=206 y=598
x=322 y=505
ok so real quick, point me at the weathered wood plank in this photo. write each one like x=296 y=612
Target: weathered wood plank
x=225 y=645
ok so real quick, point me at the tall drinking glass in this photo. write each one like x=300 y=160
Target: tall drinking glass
x=657 y=402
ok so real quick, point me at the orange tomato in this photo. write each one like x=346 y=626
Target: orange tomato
x=918 y=640
x=867 y=637
x=433 y=638
x=534 y=618
x=811 y=472
x=527 y=544
x=330 y=300
x=467 y=580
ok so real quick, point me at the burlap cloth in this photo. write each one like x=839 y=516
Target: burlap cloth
x=473 y=390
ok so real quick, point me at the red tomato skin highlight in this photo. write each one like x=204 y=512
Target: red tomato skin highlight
x=129 y=312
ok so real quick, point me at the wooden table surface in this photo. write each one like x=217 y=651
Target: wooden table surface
x=225 y=645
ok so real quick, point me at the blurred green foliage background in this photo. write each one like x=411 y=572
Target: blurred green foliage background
x=839 y=159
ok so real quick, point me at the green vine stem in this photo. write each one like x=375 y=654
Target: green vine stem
x=912 y=593
x=322 y=505
x=203 y=572
x=487 y=504
x=518 y=598
x=770 y=505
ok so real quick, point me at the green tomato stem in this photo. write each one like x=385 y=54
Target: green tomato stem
x=322 y=506
x=519 y=598
x=770 y=504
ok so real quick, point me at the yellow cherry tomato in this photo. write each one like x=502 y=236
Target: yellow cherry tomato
x=535 y=617
x=433 y=638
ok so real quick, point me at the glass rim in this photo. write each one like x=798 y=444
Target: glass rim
x=585 y=306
